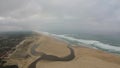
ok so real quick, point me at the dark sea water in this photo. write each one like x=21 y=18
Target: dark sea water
x=105 y=42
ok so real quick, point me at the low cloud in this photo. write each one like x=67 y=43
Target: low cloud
x=68 y=15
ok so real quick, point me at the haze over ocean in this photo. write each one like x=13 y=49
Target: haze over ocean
x=97 y=20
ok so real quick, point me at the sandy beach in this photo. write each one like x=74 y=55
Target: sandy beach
x=84 y=57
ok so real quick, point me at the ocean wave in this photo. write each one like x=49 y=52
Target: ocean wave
x=88 y=43
x=93 y=43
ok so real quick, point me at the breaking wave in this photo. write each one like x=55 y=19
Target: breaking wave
x=88 y=43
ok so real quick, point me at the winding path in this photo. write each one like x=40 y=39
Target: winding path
x=44 y=56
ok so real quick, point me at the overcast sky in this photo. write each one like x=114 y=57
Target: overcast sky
x=100 y=16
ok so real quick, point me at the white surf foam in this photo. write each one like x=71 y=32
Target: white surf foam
x=93 y=43
x=89 y=43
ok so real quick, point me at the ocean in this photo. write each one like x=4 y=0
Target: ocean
x=109 y=43
x=105 y=42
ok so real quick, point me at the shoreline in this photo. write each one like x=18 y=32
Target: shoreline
x=84 y=57
x=81 y=44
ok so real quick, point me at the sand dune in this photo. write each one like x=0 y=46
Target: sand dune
x=84 y=57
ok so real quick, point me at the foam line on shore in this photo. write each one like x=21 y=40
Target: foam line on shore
x=88 y=43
